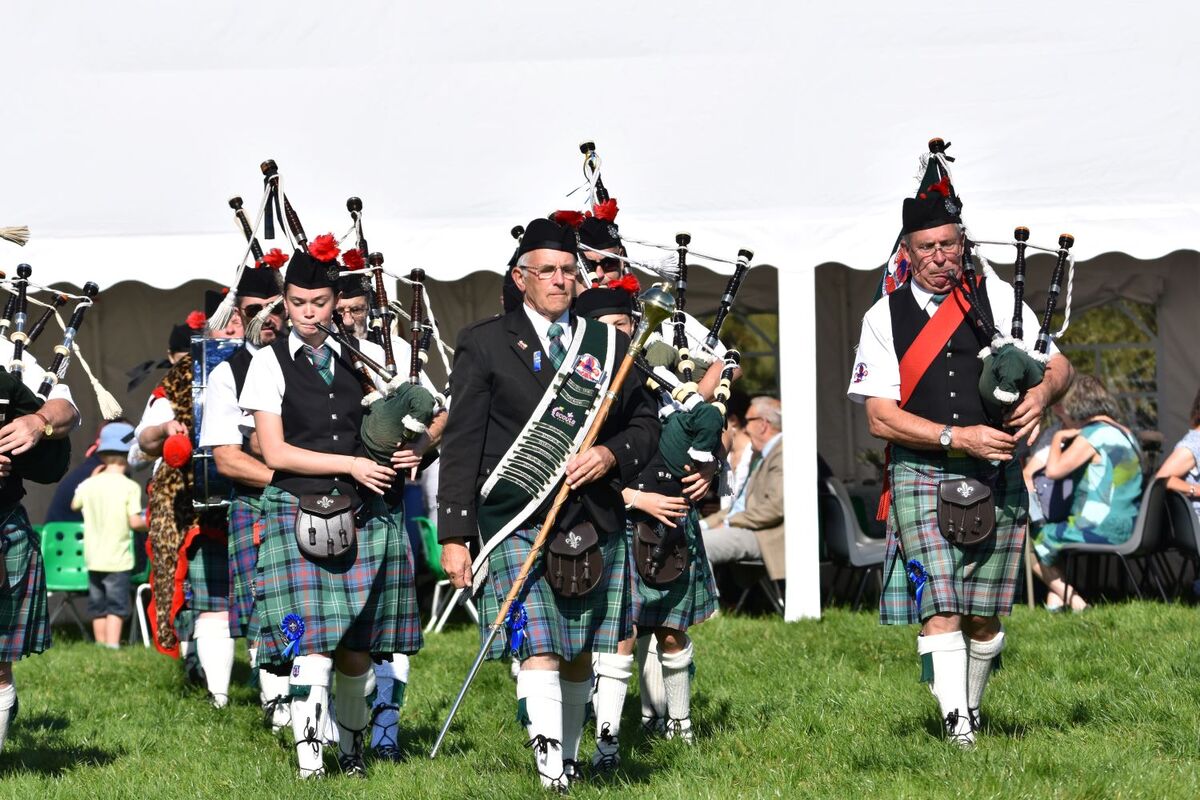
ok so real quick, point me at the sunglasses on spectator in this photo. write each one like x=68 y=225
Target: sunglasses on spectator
x=609 y=264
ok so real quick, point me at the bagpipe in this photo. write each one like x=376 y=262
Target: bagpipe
x=1010 y=365
x=48 y=461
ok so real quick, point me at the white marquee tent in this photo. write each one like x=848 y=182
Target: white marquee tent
x=789 y=128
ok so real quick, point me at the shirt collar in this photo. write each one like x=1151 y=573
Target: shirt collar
x=770 y=445
x=295 y=343
x=541 y=325
x=920 y=294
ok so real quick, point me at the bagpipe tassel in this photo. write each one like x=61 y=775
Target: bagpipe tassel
x=17 y=234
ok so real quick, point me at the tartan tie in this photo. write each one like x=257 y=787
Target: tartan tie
x=321 y=358
x=557 y=351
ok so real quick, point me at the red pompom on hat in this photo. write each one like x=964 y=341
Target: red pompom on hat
x=607 y=210
x=628 y=282
x=274 y=258
x=196 y=320
x=324 y=247
x=353 y=259
x=177 y=450
x=572 y=219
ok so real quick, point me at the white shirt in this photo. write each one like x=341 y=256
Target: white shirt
x=876 y=371
x=158 y=410
x=224 y=422
x=541 y=326
x=696 y=332
x=264 y=386
x=402 y=350
x=32 y=374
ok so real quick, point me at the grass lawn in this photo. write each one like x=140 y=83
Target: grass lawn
x=1103 y=704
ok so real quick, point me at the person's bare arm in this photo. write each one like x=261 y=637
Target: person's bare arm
x=280 y=455
x=24 y=432
x=891 y=423
x=1062 y=462
x=240 y=466
x=152 y=437
x=1175 y=470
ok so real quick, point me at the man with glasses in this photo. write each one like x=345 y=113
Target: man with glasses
x=352 y=304
x=230 y=434
x=520 y=383
x=752 y=526
x=917 y=371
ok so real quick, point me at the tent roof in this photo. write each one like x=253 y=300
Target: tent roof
x=791 y=129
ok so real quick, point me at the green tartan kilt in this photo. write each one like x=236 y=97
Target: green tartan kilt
x=686 y=601
x=980 y=580
x=245 y=516
x=365 y=601
x=206 y=587
x=567 y=627
x=24 y=617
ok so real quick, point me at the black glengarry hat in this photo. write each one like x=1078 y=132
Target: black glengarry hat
x=258 y=282
x=546 y=234
x=596 y=303
x=306 y=272
x=351 y=286
x=599 y=233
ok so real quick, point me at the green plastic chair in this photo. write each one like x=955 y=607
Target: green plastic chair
x=66 y=572
x=439 y=611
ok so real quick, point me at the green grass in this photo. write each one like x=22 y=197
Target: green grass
x=1099 y=705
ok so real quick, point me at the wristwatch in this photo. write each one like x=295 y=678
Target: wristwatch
x=47 y=428
x=945 y=438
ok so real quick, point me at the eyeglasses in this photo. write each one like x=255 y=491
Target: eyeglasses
x=355 y=311
x=545 y=273
x=752 y=419
x=252 y=310
x=927 y=249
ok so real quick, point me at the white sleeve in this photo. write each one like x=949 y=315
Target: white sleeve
x=158 y=410
x=223 y=417
x=32 y=376
x=403 y=352
x=876 y=371
x=375 y=353
x=1001 y=298
x=263 y=390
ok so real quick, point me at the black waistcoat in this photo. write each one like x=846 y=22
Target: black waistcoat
x=948 y=393
x=319 y=417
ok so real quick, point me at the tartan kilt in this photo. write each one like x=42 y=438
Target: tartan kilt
x=365 y=601
x=687 y=601
x=24 y=617
x=245 y=527
x=567 y=627
x=207 y=585
x=980 y=580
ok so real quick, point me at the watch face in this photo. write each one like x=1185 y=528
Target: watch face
x=945 y=438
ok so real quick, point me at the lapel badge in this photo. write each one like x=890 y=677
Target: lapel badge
x=521 y=344
x=537 y=361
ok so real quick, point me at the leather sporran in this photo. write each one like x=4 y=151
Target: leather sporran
x=325 y=526
x=966 y=511
x=660 y=552
x=574 y=563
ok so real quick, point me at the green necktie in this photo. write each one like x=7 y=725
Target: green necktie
x=322 y=359
x=557 y=351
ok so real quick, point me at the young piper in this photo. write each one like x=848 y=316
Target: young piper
x=323 y=613
x=683 y=594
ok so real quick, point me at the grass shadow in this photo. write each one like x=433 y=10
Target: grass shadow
x=44 y=722
x=53 y=759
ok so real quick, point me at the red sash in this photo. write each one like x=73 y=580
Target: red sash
x=917 y=360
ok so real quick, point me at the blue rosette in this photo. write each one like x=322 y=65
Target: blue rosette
x=918 y=577
x=516 y=621
x=292 y=628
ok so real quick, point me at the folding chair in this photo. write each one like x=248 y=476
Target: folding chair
x=849 y=545
x=66 y=572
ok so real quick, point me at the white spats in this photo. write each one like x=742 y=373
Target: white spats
x=981 y=657
x=948 y=655
x=391 y=681
x=613 y=672
x=8 y=709
x=653 y=695
x=310 y=706
x=353 y=713
x=540 y=699
x=215 y=650
x=677 y=682
x=575 y=697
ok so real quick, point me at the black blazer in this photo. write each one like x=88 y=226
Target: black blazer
x=494 y=391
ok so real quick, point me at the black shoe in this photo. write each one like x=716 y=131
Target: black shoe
x=192 y=671
x=976 y=719
x=388 y=752
x=352 y=765
x=573 y=771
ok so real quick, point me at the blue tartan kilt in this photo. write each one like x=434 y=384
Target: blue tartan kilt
x=206 y=587
x=246 y=521
x=979 y=580
x=566 y=627
x=688 y=600
x=24 y=621
x=365 y=601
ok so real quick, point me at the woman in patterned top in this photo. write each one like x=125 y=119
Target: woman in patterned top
x=1103 y=457
x=1182 y=467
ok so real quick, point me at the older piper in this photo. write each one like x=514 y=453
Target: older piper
x=918 y=373
x=525 y=386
